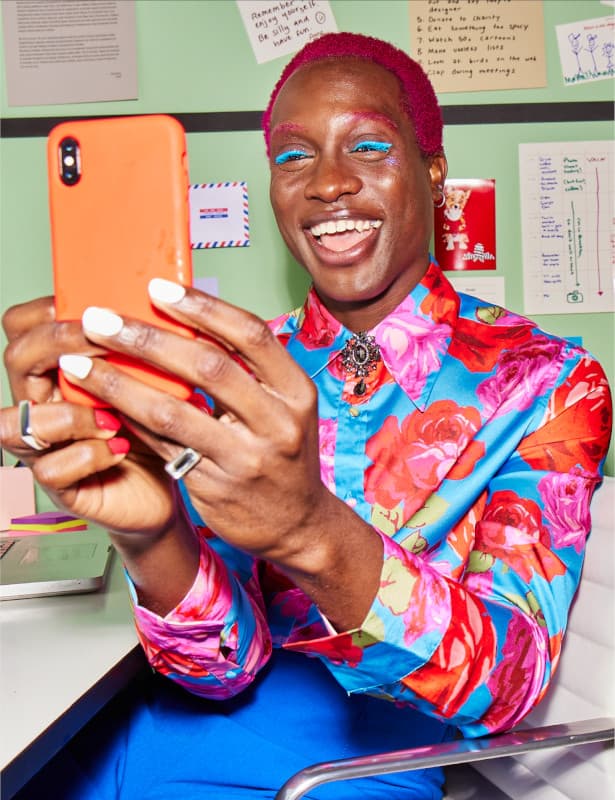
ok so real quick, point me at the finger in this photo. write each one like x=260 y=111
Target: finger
x=31 y=357
x=171 y=419
x=60 y=470
x=56 y=424
x=198 y=362
x=239 y=330
x=21 y=318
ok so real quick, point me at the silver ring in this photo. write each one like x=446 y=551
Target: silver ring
x=182 y=463
x=26 y=431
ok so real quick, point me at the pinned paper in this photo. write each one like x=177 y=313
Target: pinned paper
x=279 y=27
x=587 y=50
x=219 y=215
x=490 y=289
x=464 y=228
x=476 y=45
x=567 y=212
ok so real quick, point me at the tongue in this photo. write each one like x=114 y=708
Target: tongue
x=342 y=241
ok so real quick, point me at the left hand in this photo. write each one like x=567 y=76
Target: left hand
x=258 y=483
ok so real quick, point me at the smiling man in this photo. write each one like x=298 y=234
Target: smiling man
x=381 y=526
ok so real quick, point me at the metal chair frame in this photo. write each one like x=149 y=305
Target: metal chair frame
x=462 y=751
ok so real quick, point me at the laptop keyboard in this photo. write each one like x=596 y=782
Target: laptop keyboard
x=5 y=546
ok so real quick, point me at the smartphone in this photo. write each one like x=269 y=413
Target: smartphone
x=119 y=214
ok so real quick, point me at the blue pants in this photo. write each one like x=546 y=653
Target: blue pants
x=164 y=743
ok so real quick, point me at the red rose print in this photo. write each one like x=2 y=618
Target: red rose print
x=410 y=462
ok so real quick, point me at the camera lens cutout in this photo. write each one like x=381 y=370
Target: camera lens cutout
x=70 y=161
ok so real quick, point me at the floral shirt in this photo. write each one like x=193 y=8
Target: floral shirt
x=473 y=453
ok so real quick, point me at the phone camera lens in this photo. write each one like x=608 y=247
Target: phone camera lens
x=70 y=162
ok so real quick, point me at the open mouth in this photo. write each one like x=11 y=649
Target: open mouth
x=343 y=234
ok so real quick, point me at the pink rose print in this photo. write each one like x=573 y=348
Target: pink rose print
x=413 y=349
x=420 y=597
x=566 y=508
x=327 y=432
x=408 y=463
x=516 y=675
x=522 y=374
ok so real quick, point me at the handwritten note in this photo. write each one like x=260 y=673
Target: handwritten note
x=568 y=226
x=279 y=27
x=474 y=45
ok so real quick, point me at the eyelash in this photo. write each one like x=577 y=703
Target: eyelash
x=290 y=155
x=367 y=145
x=363 y=147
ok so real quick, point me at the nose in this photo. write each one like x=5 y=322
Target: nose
x=331 y=178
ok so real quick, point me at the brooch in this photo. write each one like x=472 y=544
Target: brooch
x=360 y=355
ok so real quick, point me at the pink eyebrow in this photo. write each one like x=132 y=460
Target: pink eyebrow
x=287 y=127
x=376 y=116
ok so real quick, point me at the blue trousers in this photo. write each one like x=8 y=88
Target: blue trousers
x=162 y=743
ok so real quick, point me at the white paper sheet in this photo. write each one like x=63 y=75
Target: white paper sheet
x=279 y=27
x=567 y=224
x=587 y=50
x=219 y=215
x=60 y=51
x=491 y=289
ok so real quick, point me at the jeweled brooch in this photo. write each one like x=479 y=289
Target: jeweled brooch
x=360 y=356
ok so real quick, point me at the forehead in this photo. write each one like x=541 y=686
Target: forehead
x=347 y=83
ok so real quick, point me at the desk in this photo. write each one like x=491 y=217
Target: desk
x=61 y=659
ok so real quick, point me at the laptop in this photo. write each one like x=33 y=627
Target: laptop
x=53 y=563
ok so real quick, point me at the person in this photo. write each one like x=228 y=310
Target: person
x=365 y=529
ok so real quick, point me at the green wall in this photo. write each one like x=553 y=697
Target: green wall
x=194 y=56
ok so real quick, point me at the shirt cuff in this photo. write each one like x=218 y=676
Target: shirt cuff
x=400 y=632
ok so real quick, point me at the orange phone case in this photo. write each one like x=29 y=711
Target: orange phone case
x=124 y=221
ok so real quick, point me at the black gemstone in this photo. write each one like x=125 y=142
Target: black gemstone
x=361 y=354
x=360 y=388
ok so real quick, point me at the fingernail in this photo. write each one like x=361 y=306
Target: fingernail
x=166 y=291
x=106 y=421
x=101 y=321
x=118 y=445
x=79 y=366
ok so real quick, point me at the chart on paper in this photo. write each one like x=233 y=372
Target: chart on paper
x=567 y=217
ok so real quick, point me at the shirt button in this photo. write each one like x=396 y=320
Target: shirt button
x=353 y=411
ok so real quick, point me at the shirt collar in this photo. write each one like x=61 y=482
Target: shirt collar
x=413 y=339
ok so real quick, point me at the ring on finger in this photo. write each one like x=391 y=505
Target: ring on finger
x=26 y=431
x=182 y=463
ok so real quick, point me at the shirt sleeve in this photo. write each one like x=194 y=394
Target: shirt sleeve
x=216 y=639
x=477 y=648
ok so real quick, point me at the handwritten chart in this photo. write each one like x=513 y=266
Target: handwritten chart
x=475 y=45
x=567 y=216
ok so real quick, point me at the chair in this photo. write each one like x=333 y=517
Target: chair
x=563 y=750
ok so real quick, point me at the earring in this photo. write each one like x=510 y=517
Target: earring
x=442 y=200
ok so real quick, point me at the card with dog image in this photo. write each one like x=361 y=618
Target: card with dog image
x=464 y=229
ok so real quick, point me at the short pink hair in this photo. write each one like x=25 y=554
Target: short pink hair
x=419 y=99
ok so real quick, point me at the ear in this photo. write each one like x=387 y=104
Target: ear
x=438 y=168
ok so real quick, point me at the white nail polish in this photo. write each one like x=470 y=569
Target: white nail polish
x=79 y=366
x=166 y=291
x=101 y=321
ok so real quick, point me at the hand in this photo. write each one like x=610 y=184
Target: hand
x=86 y=469
x=258 y=482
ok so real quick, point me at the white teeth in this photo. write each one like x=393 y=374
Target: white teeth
x=341 y=225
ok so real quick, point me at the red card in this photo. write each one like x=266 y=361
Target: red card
x=464 y=228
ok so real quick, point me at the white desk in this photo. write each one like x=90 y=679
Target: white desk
x=61 y=659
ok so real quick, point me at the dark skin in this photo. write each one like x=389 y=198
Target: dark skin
x=258 y=484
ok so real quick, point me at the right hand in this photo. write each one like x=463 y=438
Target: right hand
x=88 y=470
